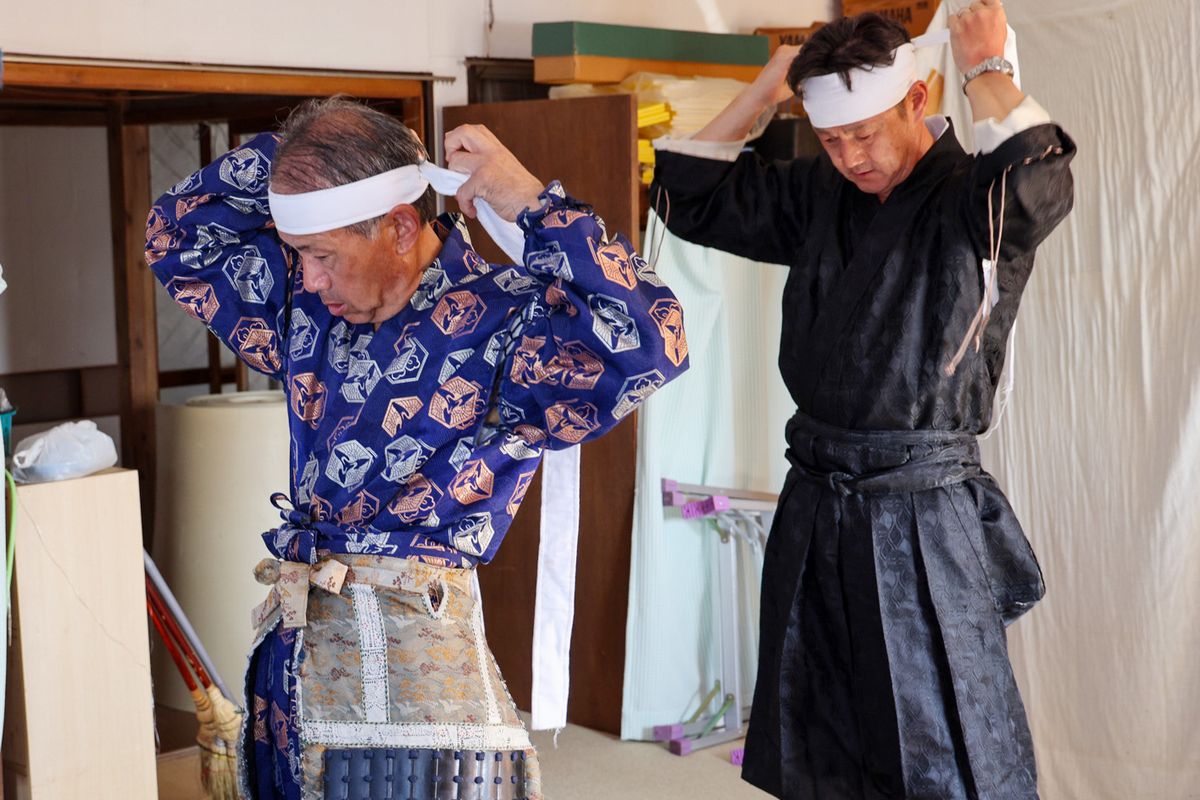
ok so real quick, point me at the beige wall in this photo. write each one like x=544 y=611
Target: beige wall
x=54 y=218
x=354 y=34
x=56 y=247
x=510 y=36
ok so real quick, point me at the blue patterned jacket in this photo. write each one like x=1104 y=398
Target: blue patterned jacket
x=419 y=439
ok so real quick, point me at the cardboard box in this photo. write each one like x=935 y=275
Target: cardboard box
x=915 y=15
x=794 y=36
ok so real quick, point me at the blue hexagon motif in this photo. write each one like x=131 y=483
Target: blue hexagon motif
x=404 y=457
x=496 y=347
x=303 y=337
x=473 y=533
x=248 y=272
x=510 y=414
x=370 y=542
x=409 y=362
x=462 y=451
x=358 y=351
x=339 y=347
x=308 y=480
x=188 y=184
x=246 y=169
x=533 y=310
x=552 y=261
x=210 y=242
x=360 y=381
x=434 y=284
x=453 y=363
x=612 y=324
x=516 y=448
x=635 y=391
x=515 y=283
x=349 y=463
x=248 y=205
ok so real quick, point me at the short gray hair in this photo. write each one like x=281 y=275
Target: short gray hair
x=334 y=141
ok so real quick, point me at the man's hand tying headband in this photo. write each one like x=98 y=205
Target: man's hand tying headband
x=771 y=86
x=496 y=174
x=977 y=33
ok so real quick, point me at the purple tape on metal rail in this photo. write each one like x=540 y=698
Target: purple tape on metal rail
x=665 y=733
x=705 y=507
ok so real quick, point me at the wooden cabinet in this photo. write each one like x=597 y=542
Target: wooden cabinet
x=79 y=718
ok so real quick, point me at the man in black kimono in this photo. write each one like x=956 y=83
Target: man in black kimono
x=895 y=562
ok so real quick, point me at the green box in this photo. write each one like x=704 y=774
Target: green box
x=659 y=44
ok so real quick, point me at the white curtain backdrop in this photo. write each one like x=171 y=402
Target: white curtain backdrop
x=721 y=424
x=1101 y=451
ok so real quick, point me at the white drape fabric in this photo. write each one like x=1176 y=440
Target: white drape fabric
x=720 y=424
x=1101 y=449
x=554 y=607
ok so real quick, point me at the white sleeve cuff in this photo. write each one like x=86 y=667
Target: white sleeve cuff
x=990 y=134
x=716 y=151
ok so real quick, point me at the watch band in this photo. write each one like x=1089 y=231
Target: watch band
x=992 y=64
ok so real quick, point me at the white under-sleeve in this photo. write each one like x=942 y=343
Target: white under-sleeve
x=990 y=133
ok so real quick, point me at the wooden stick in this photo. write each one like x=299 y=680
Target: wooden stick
x=173 y=629
x=193 y=638
x=175 y=656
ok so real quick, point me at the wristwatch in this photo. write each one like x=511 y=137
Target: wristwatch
x=993 y=64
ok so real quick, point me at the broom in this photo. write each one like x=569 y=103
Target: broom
x=219 y=719
x=176 y=611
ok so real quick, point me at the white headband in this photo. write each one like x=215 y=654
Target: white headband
x=830 y=104
x=329 y=209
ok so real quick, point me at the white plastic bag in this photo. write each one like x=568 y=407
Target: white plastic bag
x=71 y=450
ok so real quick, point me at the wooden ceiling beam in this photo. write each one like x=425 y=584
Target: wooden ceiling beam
x=79 y=75
x=53 y=117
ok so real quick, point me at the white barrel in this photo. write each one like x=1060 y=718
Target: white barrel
x=220 y=457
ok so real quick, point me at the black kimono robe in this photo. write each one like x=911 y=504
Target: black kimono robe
x=895 y=561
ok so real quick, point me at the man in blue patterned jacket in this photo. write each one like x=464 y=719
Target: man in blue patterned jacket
x=424 y=385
